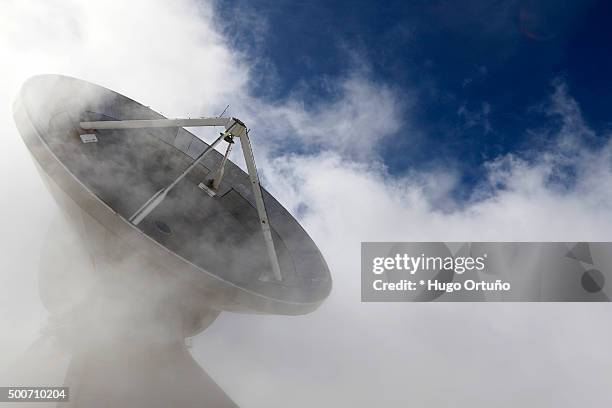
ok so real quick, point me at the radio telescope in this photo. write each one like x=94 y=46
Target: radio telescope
x=175 y=233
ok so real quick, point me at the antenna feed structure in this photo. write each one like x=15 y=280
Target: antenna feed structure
x=233 y=128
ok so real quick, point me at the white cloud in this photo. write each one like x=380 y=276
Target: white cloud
x=361 y=115
x=173 y=58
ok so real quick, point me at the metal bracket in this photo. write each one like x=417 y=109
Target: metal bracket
x=89 y=138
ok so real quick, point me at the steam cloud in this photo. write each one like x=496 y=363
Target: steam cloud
x=173 y=58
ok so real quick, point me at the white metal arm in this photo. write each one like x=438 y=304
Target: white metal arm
x=234 y=127
x=157 y=123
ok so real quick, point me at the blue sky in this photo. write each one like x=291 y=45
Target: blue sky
x=476 y=75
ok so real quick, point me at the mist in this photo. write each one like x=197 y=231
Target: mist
x=346 y=353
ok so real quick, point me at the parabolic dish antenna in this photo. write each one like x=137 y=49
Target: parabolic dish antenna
x=203 y=229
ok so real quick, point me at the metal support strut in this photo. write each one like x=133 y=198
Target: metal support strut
x=233 y=128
